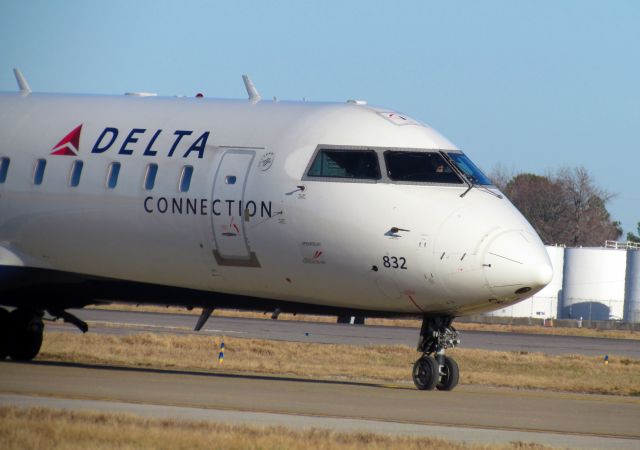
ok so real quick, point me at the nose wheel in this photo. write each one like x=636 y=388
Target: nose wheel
x=434 y=369
x=449 y=374
x=425 y=373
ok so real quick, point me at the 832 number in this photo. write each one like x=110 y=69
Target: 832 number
x=392 y=262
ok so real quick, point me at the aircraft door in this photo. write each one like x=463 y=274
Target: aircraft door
x=231 y=244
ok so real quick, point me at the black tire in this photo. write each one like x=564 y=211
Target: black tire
x=344 y=319
x=450 y=375
x=358 y=320
x=425 y=373
x=26 y=334
x=5 y=333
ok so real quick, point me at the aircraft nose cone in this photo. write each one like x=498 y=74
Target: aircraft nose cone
x=516 y=262
x=544 y=275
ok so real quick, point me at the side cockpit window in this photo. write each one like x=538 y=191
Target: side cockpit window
x=470 y=170
x=425 y=167
x=349 y=164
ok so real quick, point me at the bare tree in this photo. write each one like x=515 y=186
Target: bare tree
x=541 y=201
x=500 y=176
x=587 y=213
x=565 y=207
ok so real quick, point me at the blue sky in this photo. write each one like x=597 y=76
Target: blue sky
x=529 y=85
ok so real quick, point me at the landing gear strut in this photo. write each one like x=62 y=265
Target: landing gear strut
x=434 y=369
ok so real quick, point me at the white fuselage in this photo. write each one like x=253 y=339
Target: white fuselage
x=252 y=222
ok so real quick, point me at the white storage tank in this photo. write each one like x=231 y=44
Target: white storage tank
x=543 y=305
x=632 y=287
x=593 y=284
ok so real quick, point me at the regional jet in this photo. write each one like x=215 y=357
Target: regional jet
x=326 y=208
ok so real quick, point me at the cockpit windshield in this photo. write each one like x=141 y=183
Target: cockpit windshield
x=426 y=167
x=472 y=172
x=394 y=165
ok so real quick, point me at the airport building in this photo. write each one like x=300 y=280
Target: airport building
x=589 y=283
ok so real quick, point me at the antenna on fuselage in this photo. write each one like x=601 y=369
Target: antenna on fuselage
x=254 y=95
x=22 y=82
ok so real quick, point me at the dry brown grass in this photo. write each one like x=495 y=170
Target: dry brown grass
x=556 y=331
x=376 y=363
x=38 y=428
x=409 y=323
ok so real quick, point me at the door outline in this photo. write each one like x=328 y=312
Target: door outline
x=249 y=259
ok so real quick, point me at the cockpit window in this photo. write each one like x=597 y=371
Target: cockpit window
x=472 y=172
x=426 y=167
x=354 y=164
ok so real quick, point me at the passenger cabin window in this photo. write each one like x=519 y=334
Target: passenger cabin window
x=426 y=167
x=76 y=172
x=354 y=164
x=4 y=169
x=38 y=173
x=112 y=176
x=150 y=176
x=185 y=178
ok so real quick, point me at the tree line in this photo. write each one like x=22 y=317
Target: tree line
x=565 y=206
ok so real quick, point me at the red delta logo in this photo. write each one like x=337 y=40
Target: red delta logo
x=70 y=144
x=136 y=140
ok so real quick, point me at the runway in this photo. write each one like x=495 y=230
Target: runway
x=477 y=414
x=125 y=322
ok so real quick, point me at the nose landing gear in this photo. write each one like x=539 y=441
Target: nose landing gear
x=434 y=369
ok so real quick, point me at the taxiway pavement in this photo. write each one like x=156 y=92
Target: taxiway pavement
x=470 y=413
